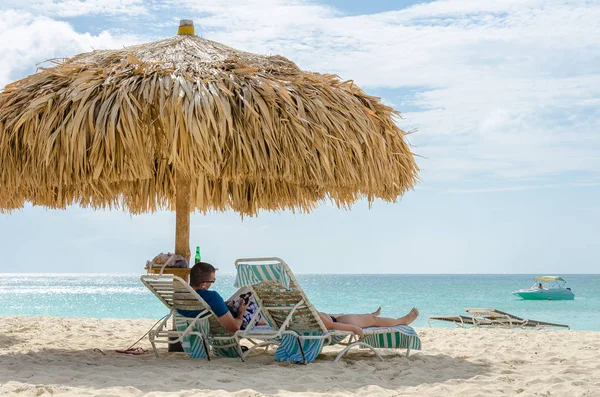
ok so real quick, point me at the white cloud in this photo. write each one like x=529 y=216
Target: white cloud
x=27 y=40
x=74 y=8
x=504 y=90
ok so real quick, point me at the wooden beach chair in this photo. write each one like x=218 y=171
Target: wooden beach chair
x=296 y=322
x=196 y=333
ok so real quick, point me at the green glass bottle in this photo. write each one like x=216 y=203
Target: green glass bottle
x=198 y=258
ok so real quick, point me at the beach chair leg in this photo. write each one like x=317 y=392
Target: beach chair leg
x=151 y=337
x=265 y=344
x=341 y=354
x=301 y=351
x=241 y=353
x=238 y=347
x=206 y=348
x=410 y=340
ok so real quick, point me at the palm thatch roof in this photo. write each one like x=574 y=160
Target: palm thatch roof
x=250 y=132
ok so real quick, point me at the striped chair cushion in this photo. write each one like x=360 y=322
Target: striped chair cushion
x=289 y=350
x=193 y=346
x=252 y=274
x=400 y=336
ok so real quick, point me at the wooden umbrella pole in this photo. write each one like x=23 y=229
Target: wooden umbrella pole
x=182 y=232
x=182 y=216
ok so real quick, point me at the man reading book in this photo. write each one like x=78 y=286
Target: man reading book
x=230 y=313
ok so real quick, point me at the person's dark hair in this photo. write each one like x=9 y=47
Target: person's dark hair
x=200 y=272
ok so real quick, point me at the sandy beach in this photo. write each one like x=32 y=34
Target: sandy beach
x=43 y=356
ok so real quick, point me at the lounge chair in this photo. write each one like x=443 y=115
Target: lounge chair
x=197 y=333
x=460 y=320
x=510 y=320
x=484 y=317
x=297 y=323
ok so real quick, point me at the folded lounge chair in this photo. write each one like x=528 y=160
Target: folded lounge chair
x=501 y=318
x=484 y=317
x=197 y=333
x=294 y=319
x=460 y=320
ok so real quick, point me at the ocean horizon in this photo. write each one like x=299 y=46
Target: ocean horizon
x=122 y=295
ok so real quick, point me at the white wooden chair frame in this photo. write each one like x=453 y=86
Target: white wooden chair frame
x=161 y=335
x=326 y=334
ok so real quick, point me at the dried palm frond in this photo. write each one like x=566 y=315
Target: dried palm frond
x=111 y=128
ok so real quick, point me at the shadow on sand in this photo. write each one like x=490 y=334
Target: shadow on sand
x=175 y=372
x=7 y=341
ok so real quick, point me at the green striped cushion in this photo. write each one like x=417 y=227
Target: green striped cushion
x=289 y=350
x=251 y=274
x=401 y=336
x=192 y=344
x=229 y=351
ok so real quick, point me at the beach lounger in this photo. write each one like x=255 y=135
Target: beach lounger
x=460 y=320
x=501 y=318
x=195 y=334
x=297 y=323
x=485 y=317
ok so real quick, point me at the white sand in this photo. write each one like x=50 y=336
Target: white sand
x=43 y=356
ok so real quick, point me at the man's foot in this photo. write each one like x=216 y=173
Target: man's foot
x=412 y=315
x=377 y=312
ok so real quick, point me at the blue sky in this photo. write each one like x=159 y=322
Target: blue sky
x=504 y=97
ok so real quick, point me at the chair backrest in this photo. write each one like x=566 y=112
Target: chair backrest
x=278 y=293
x=503 y=318
x=528 y=323
x=495 y=317
x=499 y=313
x=491 y=314
x=178 y=296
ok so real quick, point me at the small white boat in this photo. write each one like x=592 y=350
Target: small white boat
x=546 y=288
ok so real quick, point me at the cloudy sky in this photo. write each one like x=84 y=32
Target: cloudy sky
x=504 y=96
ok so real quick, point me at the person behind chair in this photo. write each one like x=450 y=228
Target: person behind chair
x=202 y=276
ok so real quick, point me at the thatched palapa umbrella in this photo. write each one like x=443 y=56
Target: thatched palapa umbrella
x=190 y=124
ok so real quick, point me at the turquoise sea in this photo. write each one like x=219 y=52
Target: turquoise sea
x=124 y=296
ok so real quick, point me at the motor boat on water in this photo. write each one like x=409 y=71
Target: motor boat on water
x=547 y=288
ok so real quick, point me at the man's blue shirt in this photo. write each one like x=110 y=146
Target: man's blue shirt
x=213 y=299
